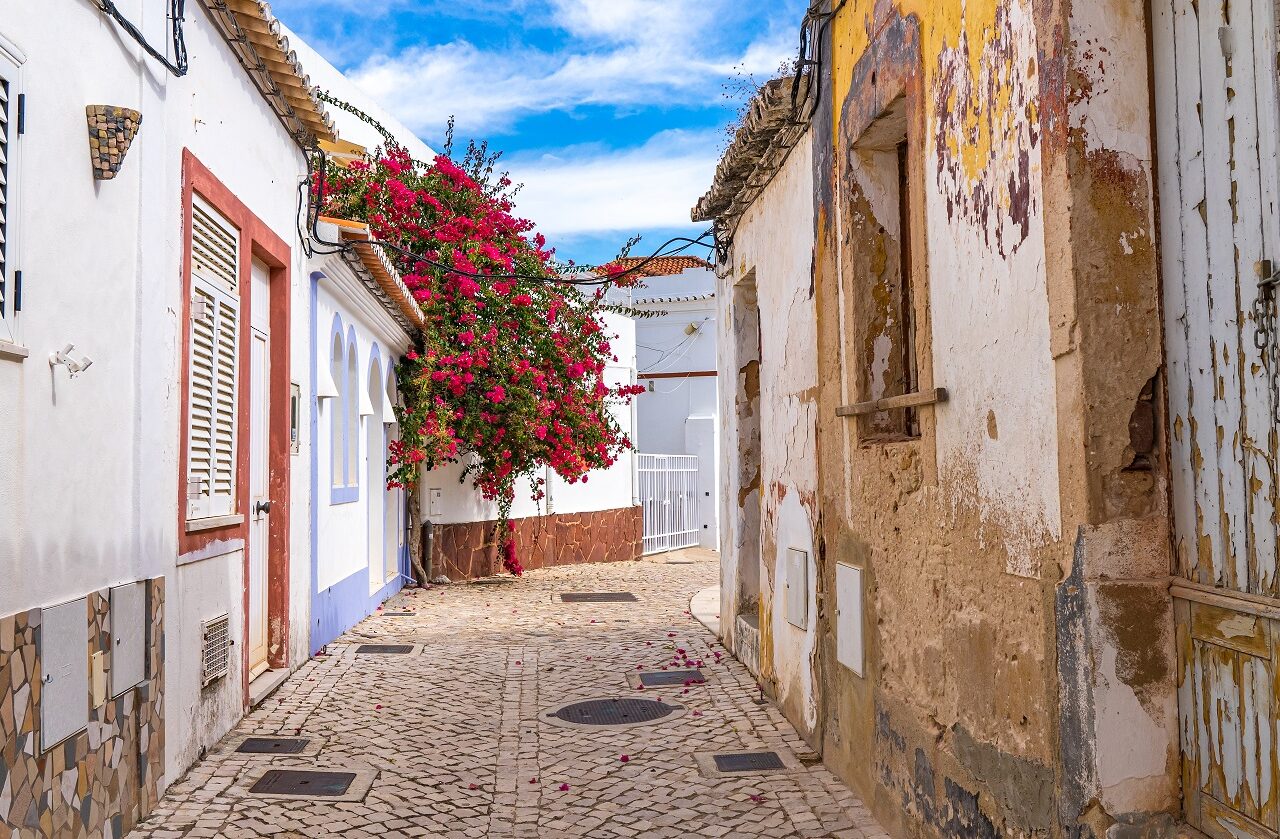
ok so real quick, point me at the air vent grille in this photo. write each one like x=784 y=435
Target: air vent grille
x=216 y=652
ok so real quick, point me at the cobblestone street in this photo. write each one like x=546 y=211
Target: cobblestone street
x=456 y=741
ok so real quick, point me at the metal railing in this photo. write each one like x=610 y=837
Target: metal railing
x=669 y=496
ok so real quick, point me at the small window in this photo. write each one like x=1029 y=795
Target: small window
x=214 y=364
x=10 y=278
x=883 y=291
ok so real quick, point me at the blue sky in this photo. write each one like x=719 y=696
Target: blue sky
x=611 y=112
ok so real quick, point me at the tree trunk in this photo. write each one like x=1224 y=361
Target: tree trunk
x=416 y=558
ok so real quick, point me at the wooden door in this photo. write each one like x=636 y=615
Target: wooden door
x=1216 y=121
x=258 y=580
x=1216 y=113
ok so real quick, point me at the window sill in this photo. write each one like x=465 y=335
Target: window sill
x=215 y=523
x=13 y=352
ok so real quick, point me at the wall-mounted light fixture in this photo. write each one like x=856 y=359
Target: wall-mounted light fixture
x=65 y=358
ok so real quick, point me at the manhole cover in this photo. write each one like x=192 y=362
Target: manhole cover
x=385 y=649
x=303 y=782
x=613 y=711
x=599 y=597
x=273 y=745
x=668 y=678
x=749 y=762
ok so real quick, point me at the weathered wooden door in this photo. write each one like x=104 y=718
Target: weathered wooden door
x=1216 y=113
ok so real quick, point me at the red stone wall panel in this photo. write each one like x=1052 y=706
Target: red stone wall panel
x=468 y=551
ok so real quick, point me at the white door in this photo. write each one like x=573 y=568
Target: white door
x=259 y=469
x=393 y=519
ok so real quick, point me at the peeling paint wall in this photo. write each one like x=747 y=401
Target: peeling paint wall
x=1020 y=662
x=771 y=246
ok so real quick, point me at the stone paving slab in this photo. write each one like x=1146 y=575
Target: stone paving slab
x=457 y=741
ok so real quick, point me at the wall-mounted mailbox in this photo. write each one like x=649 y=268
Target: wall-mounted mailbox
x=64 y=672
x=128 y=637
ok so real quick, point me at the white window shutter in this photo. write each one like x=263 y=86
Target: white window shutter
x=215 y=247
x=215 y=338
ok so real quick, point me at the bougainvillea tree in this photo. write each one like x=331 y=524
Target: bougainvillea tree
x=509 y=377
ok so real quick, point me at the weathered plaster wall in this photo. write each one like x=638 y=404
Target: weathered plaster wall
x=1027 y=128
x=771 y=245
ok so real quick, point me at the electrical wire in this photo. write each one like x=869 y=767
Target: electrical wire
x=177 y=11
x=811 y=63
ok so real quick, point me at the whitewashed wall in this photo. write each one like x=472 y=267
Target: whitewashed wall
x=775 y=242
x=91 y=464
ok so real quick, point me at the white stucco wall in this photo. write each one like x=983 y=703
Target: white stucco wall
x=774 y=241
x=91 y=463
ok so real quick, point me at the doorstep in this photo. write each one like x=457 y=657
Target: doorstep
x=265 y=684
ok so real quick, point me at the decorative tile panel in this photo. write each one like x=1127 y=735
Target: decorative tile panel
x=99 y=782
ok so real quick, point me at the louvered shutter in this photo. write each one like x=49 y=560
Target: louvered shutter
x=8 y=133
x=215 y=331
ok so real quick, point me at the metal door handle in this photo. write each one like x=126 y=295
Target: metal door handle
x=260 y=507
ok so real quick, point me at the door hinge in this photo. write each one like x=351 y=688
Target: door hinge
x=22 y=114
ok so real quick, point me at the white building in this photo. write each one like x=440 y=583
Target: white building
x=680 y=414
x=156 y=358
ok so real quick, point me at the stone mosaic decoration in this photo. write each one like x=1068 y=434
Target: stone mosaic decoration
x=101 y=781
x=111 y=132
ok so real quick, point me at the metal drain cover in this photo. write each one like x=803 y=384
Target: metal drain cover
x=398 y=614
x=749 y=762
x=273 y=745
x=671 y=678
x=599 y=597
x=385 y=649
x=303 y=782
x=614 y=711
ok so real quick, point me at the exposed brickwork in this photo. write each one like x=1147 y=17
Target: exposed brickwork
x=468 y=551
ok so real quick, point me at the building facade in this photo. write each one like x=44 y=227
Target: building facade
x=156 y=368
x=990 y=262
x=676 y=339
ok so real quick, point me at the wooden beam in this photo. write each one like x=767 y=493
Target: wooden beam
x=700 y=374
x=910 y=400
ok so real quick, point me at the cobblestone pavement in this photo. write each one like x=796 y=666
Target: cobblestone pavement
x=456 y=738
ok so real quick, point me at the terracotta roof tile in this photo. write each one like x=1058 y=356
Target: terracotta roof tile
x=664 y=266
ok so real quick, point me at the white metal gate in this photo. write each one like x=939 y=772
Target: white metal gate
x=669 y=494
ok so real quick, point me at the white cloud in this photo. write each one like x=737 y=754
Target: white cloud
x=591 y=190
x=629 y=53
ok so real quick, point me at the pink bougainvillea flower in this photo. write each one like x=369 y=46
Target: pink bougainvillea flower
x=624 y=758
x=473 y=786
x=564 y=787
x=757 y=798
x=533 y=780
x=377 y=707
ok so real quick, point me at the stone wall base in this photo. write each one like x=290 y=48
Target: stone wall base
x=469 y=551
